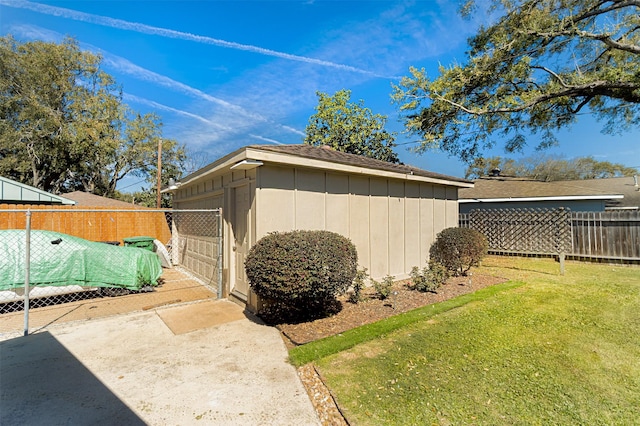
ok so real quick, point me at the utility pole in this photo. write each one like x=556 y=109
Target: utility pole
x=159 y=171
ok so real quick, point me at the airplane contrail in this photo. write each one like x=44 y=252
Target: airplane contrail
x=134 y=98
x=164 y=32
x=127 y=67
x=262 y=138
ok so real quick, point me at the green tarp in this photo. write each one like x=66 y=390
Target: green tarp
x=59 y=260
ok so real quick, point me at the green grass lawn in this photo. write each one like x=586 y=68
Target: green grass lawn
x=540 y=349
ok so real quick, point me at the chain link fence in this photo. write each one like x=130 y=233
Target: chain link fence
x=59 y=265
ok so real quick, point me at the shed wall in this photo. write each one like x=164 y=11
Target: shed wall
x=392 y=222
x=214 y=192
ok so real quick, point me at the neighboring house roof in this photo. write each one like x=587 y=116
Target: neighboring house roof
x=19 y=193
x=627 y=186
x=86 y=199
x=323 y=158
x=505 y=189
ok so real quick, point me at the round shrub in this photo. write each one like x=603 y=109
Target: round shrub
x=302 y=270
x=458 y=249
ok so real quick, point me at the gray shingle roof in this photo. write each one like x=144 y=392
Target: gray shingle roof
x=329 y=154
x=515 y=188
x=505 y=187
x=86 y=199
x=620 y=185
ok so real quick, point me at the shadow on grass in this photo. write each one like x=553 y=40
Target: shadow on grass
x=515 y=268
x=501 y=262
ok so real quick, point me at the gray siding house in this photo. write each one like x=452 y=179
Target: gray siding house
x=517 y=193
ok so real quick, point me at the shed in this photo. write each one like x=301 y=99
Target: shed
x=391 y=212
x=12 y=192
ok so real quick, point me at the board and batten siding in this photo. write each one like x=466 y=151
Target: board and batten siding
x=392 y=222
x=209 y=193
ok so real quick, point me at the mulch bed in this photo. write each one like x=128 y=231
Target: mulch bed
x=372 y=308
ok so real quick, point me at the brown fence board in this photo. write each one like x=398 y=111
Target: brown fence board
x=607 y=234
x=90 y=224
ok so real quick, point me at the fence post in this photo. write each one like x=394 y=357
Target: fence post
x=27 y=269
x=175 y=240
x=219 y=260
x=562 y=256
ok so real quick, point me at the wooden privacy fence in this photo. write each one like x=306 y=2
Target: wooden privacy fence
x=93 y=224
x=611 y=235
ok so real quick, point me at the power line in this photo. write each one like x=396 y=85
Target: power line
x=135 y=183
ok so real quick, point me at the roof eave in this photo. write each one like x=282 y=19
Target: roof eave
x=556 y=198
x=295 y=160
x=42 y=196
x=256 y=154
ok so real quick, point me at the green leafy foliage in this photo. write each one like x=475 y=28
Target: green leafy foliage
x=298 y=274
x=429 y=279
x=383 y=288
x=538 y=65
x=458 y=249
x=358 y=285
x=350 y=127
x=64 y=127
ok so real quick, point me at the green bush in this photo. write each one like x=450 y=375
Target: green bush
x=301 y=271
x=458 y=249
x=358 y=285
x=429 y=279
x=383 y=289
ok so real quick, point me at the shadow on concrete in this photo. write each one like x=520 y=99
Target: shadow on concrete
x=42 y=383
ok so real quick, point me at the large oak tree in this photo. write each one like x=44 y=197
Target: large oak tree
x=533 y=70
x=64 y=127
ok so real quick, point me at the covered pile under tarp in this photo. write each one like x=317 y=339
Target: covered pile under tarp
x=60 y=260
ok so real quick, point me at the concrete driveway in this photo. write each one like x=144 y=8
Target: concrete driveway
x=204 y=363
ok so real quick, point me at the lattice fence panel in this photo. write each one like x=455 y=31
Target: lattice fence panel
x=531 y=231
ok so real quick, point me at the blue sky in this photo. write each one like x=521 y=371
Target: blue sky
x=224 y=74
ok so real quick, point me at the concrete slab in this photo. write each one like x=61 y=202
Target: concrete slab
x=132 y=369
x=185 y=319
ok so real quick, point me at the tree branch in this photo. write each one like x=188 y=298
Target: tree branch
x=591 y=89
x=616 y=5
x=553 y=73
x=582 y=104
x=606 y=39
